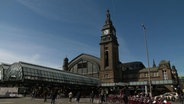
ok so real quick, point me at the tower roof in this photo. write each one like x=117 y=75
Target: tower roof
x=65 y=59
x=108 y=23
x=108 y=18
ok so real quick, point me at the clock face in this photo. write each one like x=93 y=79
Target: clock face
x=106 y=32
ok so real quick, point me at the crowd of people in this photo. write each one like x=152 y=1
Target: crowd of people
x=55 y=94
x=105 y=95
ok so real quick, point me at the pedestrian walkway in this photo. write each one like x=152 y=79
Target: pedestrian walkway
x=29 y=100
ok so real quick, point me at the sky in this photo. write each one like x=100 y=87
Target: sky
x=44 y=32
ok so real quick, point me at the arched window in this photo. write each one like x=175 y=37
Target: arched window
x=106 y=58
x=87 y=68
x=165 y=77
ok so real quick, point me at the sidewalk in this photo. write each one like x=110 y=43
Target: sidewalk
x=29 y=100
x=64 y=101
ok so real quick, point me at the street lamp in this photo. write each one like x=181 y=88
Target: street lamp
x=147 y=55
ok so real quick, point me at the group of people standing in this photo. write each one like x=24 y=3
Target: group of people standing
x=78 y=96
x=46 y=93
x=99 y=95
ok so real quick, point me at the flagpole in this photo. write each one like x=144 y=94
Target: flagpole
x=147 y=55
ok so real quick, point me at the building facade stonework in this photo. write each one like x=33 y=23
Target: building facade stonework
x=112 y=72
x=109 y=53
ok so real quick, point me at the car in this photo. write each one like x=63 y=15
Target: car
x=170 y=96
x=157 y=97
x=175 y=94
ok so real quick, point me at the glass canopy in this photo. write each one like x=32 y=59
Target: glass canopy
x=22 y=71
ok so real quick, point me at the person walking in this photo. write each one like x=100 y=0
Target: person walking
x=53 y=97
x=25 y=92
x=45 y=95
x=70 y=95
x=102 y=96
x=181 y=98
x=92 y=95
x=33 y=93
x=78 y=96
x=125 y=99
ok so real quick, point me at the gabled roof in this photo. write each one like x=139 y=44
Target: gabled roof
x=164 y=62
x=5 y=66
x=136 y=65
x=147 y=69
x=84 y=56
x=34 y=66
x=132 y=63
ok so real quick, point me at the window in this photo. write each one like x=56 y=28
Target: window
x=80 y=71
x=155 y=74
x=106 y=76
x=146 y=75
x=106 y=58
x=86 y=67
x=85 y=71
x=165 y=77
x=90 y=68
x=82 y=65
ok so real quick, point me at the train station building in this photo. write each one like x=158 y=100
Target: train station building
x=113 y=73
x=88 y=72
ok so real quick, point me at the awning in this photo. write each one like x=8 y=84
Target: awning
x=113 y=84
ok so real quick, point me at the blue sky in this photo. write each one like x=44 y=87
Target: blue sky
x=44 y=32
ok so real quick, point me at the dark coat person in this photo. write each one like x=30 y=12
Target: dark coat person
x=92 y=95
x=78 y=96
x=53 y=97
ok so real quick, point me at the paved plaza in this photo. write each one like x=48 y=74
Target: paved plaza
x=29 y=100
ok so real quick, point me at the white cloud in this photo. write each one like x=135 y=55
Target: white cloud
x=35 y=57
x=11 y=57
x=61 y=10
x=17 y=44
x=46 y=9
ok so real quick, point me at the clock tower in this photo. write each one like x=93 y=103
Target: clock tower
x=109 y=53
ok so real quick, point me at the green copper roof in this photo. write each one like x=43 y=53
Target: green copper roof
x=151 y=69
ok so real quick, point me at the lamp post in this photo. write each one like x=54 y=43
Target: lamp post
x=147 y=56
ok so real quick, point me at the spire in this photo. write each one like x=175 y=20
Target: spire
x=108 y=18
x=108 y=30
x=108 y=23
x=173 y=67
x=65 y=64
x=154 y=65
x=66 y=59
